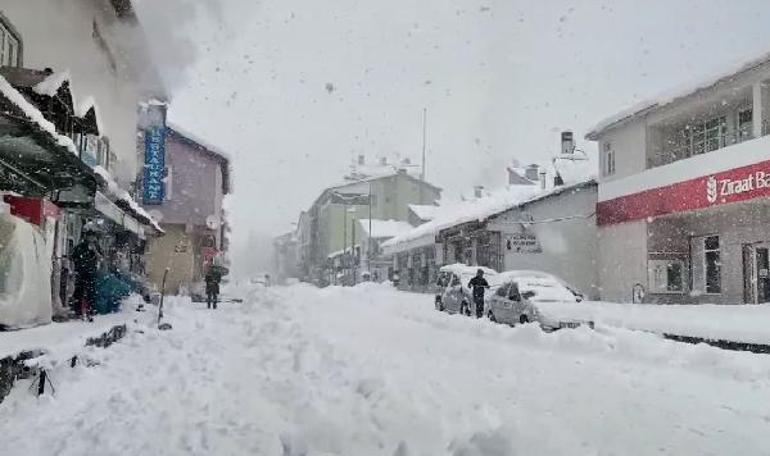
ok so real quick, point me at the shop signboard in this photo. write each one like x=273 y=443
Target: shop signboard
x=154 y=164
x=732 y=186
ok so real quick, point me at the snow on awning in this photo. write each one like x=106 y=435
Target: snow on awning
x=385 y=228
x=123 y=199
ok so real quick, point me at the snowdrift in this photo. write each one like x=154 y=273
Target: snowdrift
x=25 y=275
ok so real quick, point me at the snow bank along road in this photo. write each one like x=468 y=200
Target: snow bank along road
x=370 y=371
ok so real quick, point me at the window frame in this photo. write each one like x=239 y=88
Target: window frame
x=7 y=29
x=609 y=167
x=717 y=265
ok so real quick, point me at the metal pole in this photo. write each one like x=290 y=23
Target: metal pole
x=369 y=239
x=424 y=122
x=353 y=248
x=344 y=234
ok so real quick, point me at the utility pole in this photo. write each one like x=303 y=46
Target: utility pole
x=353 y=248
x=424 y=122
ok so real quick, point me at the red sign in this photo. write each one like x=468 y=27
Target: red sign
x=739 y=184
x=33 y=210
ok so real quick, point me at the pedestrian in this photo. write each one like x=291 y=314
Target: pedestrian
x=85 y=258
x=479 y=284
x=213 y=277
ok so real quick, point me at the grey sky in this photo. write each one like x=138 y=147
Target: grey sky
x=500 y=79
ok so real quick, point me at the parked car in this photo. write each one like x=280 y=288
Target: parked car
x=452 y=293
x=523 y=297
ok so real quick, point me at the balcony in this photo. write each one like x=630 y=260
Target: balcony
x=725 y=119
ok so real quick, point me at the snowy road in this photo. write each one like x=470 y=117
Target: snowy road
x=371 y=371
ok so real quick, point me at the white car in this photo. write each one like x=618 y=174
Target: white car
x=523 y=297
x=452 y=292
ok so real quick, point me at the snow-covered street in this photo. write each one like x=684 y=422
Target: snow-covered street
x=369 y=370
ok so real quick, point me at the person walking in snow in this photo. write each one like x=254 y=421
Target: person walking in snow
x=479 y=285
x=213 y=276
x=85 y=258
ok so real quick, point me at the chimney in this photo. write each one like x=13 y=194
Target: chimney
x=532 y=172
x=542 y=179
x=361 y=160
x=567 y=143
x=478 y=191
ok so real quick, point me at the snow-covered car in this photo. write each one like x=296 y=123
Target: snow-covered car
x=452 y=292
x=523 y=297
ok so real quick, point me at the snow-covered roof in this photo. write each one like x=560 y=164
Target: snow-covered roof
x=224 y=157
x=676 y=93
x=385 y=228
x=456 y=213
x=123 y=196
x=198 y=140
x=51 y=84
x=33 y=114
x=424 y=211
x=576 y=171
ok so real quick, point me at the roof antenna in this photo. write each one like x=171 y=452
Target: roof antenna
x=424 y=121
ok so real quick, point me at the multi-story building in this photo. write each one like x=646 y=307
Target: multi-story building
x=330 y=225
x=683 y=210
x=196 y=179
x=72 y=75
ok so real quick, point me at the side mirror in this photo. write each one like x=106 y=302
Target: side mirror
x=528 y=295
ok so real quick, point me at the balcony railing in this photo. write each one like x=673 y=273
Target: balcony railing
x=707 y=144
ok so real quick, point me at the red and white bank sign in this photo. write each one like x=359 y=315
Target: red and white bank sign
x=739 y=184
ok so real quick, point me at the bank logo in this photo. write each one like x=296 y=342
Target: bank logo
x=712 y=188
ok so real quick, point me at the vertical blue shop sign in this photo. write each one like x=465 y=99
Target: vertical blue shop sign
x=154 y=164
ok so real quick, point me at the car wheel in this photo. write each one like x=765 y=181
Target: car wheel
x=491 y=317
x=523 y=319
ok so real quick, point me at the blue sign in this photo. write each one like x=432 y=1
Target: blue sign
x=154 y=165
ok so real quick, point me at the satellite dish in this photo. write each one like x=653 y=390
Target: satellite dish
x=212 y=222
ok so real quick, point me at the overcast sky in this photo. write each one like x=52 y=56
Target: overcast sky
x=500 y=79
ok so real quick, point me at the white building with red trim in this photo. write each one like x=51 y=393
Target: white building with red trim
x=683 y=210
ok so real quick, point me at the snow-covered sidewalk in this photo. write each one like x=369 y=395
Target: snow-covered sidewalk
x=371 y=371
x=65 y=337
x=737 y=323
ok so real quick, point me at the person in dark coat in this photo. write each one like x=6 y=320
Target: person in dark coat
x=479 y=285
x=213 y=277
x=85 y=259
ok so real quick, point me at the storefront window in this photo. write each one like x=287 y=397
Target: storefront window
x=713 y=265
x=666 y=276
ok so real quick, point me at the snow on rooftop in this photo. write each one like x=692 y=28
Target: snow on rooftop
x=121 y=195
x=197 y=139
x=677 y=92
x=385 y=228
x=34 y=115
x=575 y=171
x=424 y=211
x=460 y=212
x=52 y=83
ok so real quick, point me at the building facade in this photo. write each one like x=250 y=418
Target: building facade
x=69 y=91
x=197 y=178
x=683 y=211
x=331 y=225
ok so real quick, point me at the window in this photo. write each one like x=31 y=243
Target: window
x=10 y=44
x=666 y=276
x=706 y=264
x=701 y=137
x=744 y=121
x=609 y=160
x=713 y=265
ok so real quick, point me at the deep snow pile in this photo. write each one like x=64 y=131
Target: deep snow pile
x=371 y=371
x=738 y=323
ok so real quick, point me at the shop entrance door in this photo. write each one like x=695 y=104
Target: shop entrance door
x=757 y=270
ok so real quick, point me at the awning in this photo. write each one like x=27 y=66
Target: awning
x=112 y=212
x=35 y=159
